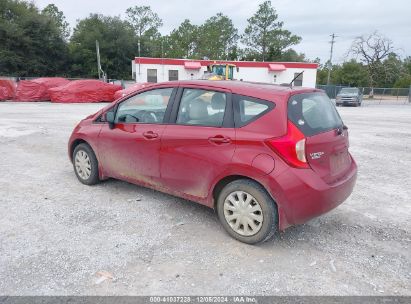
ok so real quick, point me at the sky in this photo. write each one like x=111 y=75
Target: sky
x=313 y=20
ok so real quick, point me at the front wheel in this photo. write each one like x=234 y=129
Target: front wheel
x=85 y=164
x=247 y=212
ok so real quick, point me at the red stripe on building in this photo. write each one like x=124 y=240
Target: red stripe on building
x=245 y=64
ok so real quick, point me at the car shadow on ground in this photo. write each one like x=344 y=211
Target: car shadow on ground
x=197 y=214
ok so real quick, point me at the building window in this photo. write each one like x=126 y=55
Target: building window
x=172 y=75
x=298 y=82
x=151 y=75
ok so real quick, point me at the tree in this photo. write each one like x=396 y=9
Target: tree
x=183 y=41
x=404 y=76
x=264 y=34
x=143 y=20
x=289 y=55
x=403 y=82
x=407 y=65
x=322 y=76
x=30 y=43
x=146 y=23
x=371 y=50
x=58 y=17
x=217 y=37
x=118 y=46
x=351 y=73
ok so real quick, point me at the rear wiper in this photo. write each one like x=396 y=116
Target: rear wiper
x=341 y=129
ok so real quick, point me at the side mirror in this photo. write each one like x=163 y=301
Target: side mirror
x=110 y=119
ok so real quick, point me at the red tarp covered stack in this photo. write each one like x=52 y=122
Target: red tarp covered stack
x=84 y=91
x=37 y=89
x=131 y=89
x=7 y=89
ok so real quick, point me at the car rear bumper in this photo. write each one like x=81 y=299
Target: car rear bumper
x=305 y=195
x=347 y=102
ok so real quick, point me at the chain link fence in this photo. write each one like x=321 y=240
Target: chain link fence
x=374 y=95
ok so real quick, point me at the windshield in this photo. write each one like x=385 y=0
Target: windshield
x=219 y=70
x=349 y=90
x=313 y=113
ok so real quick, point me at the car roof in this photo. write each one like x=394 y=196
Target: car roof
x=254 y=89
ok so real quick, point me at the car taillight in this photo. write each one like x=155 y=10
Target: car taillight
x=290 y=147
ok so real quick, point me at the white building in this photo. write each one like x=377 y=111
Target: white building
x=146 y=69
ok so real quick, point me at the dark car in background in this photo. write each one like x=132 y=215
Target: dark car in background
x=349 y=97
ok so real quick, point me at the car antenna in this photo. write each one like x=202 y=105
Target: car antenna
x=291 y=83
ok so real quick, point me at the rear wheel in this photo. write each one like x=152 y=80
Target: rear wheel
x=85 y=164
x=247 y=212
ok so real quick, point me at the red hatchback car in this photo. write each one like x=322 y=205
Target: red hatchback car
x=263 y=156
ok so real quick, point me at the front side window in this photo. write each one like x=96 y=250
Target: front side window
x=248 y=109
x=146 y=107
x=202 y=107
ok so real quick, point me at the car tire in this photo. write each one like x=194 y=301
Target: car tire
x=260 y=210
x=85 y=164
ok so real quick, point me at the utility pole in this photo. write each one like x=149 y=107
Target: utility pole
x=139 y=59
x=98 y=59
x=162 y=57
x=331 y=57
x=101 y=73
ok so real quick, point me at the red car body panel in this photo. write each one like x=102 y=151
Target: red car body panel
x=190 y=158
x=189 y=161
x=131 y=151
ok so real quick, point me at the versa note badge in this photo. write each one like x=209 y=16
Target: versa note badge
x=316 y=155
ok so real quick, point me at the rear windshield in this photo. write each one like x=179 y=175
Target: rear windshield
x=313 y=113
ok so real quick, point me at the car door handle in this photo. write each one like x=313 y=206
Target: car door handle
x=150 y=135
x=219 y=139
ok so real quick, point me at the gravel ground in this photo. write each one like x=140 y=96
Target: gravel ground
x=59 y=237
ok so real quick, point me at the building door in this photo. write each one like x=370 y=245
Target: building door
x=152 y=75
x=298 y=82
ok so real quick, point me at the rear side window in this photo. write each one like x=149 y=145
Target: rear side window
x=202 y=107
x=248 y=109
x=313 y=113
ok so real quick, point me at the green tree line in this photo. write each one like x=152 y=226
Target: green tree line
x=391 y=73
x=36 y=42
